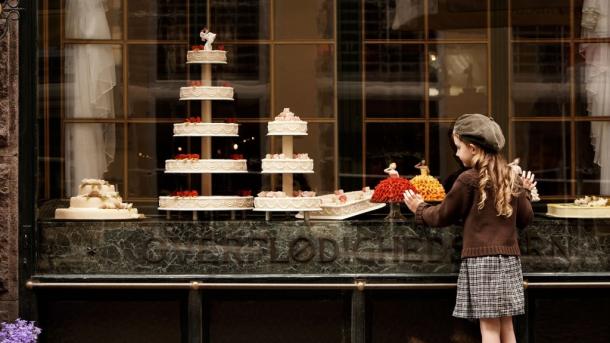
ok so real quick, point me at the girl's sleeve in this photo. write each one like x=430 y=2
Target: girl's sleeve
x=456 y=205
x=525 y=213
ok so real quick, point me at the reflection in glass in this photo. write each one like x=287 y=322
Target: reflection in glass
x=146 y=159
x=297 y=19
x=157 y=20
x=443 y=162
x=458 y=79
x=93 y=19
x=394 y=82
x=540 y=82
x=540 y=19
x=92 y=151
x=589 y=179
x=402 y=143
x=394 y=19
x=319 y=144
x=156 y=73
x=240 y=19
x=304 y=79
x=544 y=148
x=457 y=19
x=247 y=71
x=595 y=78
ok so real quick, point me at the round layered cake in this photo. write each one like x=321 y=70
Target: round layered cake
x=205 y=203
x=206 y=56
x=206 y=129
x=278 y=163
x=205 y=166
x=206 y=93
x=287 y=124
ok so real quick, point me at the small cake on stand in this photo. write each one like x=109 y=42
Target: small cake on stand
x=390 y=190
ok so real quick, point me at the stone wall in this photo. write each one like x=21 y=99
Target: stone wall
x=9 y=152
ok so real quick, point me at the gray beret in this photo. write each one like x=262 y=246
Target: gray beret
x=480 y=130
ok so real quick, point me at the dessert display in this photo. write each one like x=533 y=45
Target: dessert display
x=287 y=163
x=390 y=190
x=427 y=185
x=343 y=205
x=280 y=163
x=194 y=127
x=97 y=200
x=286 y=123
x=585 y=207
x=204 y=127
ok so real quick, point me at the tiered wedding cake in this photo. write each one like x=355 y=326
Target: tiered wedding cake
x=97 y=200
x=286 y=124
x=204 y=128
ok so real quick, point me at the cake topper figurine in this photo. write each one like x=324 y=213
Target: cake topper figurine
x=391 y=170
x=423 y=168
x=207 y=37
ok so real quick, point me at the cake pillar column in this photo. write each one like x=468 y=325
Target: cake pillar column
x=287 y=143
x=206 y=117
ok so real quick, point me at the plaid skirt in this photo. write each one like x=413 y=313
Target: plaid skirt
x=489 y=287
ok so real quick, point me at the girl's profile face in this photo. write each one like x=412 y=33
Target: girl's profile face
x=465 y=151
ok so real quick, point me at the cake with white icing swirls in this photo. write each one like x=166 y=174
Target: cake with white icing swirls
x=197 y=54
x=279 y=201
x=197 y=92
x=97 y=200
x=195 y=202
x=193 y=127
x=191 y=163
x=279 y=163
x=287 y=124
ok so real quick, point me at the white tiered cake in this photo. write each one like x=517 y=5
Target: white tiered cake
x=204 y=128
x=97 y=200
x=286 y=124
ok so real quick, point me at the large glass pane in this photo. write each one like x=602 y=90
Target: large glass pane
x=544 y=148
x=248 y=72
x=388 y=19
x=156 y=73
x=457 y=19
x=540 y=19
x=443 y=162
x=402 y=143
x=319 y=145
x=146 y=159
x=93 y=81
x=93 y=151
x=592 y=82
x=394 y=83
x=240 y=19
x=593 y=158
x=157 y=20
x=304 y=79
x=297 y=19
x=540 y=82
x=458 y=79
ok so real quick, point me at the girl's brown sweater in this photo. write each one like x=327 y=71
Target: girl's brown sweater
x=485 y=233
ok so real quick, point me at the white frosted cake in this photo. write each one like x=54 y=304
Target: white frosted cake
x=587 y=207
x=205 y=203
x=287 y=124
x=279 y=201
x=279 y=163
x=206 y=129
x=189 y=165
x=206 y=93
x=97 y=200
x=198 y=55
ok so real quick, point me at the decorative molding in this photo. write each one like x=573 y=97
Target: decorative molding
x=9 y=10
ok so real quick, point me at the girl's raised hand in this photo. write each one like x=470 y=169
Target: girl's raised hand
x=412 y=200
x=528 y=180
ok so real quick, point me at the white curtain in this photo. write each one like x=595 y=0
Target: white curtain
x=595 y=24
x=90 y=79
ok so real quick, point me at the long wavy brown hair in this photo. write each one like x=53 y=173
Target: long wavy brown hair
x=496 y=175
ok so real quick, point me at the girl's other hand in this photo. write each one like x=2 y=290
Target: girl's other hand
x=412 y=200
x=528 y=180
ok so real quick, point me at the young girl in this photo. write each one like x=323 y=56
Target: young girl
x=493 y=201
